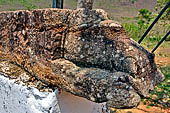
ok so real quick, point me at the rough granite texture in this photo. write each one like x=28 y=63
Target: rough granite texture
x=80 y=51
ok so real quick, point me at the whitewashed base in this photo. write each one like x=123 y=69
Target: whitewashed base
x=16 y=98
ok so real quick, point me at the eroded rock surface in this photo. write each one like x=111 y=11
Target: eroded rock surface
x=80 y=51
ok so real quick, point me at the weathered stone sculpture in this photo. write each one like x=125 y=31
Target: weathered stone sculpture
x=87 y=4
x=80 y=51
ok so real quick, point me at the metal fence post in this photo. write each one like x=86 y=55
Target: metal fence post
x=161 y=42
x=58 y=4
x=150 y=27
x=54 y=4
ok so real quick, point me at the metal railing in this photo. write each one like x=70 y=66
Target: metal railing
x=150 y=27
x=58 y=4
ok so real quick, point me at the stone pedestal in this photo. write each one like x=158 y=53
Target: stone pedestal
x=73 y=104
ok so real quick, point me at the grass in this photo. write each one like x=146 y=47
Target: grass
x=161 y=95
x=12 y=5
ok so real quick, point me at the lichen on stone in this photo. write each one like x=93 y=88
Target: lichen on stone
x=80 y=51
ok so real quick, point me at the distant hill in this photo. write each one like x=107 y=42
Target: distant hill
x=118 y=7
x=115 y=8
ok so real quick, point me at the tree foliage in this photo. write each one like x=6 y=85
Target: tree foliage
x=145 y=16
x=133 y=1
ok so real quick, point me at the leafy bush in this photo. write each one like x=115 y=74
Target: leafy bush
x=137 y=26
x=143 y=20
x=133 y=1
x=145 y=17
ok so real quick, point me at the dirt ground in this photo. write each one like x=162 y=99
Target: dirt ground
x=143 y=109
x=162 y=56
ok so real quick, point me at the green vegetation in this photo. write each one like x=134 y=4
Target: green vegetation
x=135 y=31
x=161 y=95
x=28 y=4
x=133 y=1
x=161 y=4
x=12 y=5
x=138 y=26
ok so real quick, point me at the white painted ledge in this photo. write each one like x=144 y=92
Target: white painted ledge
x=16 y=98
